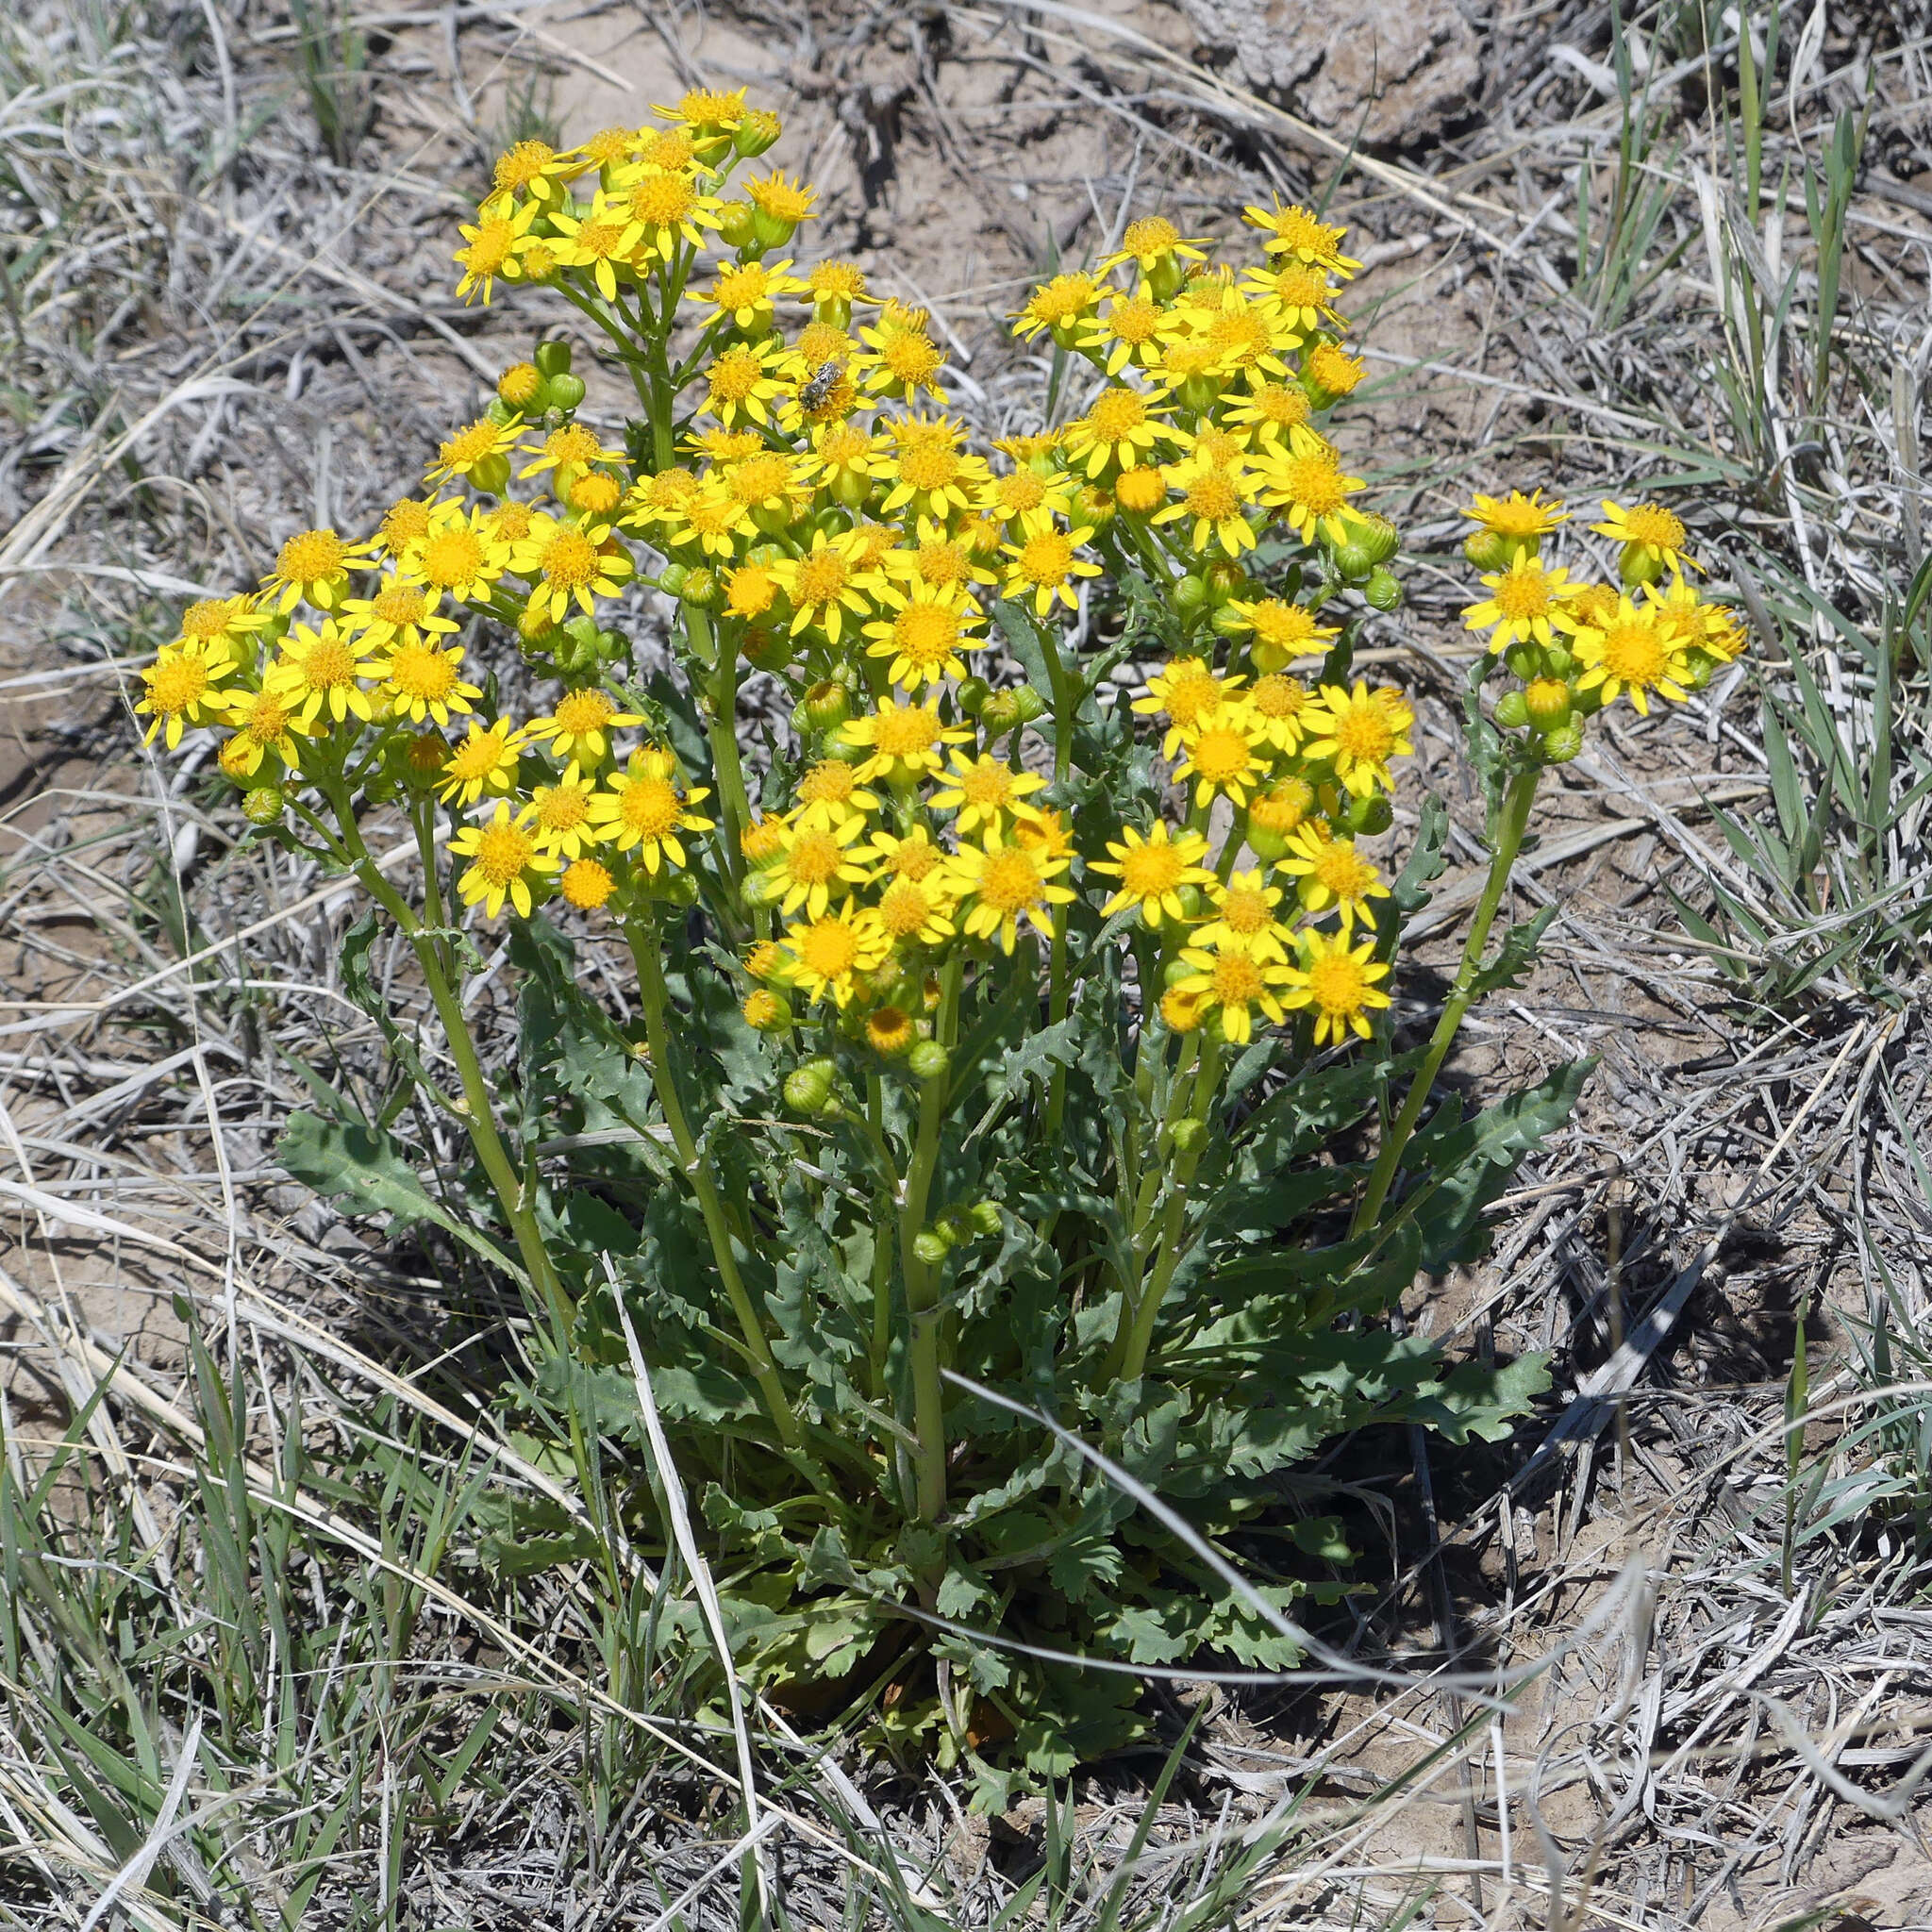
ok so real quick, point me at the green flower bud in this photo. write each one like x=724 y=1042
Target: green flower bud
x=1029 y=703
x=263 y=804
x=1525 y=660
x=1187 y=594
x=1563 y=744
x=737 y=225
x=985 y=1217
x=1383 y=590
x=930 y=1060
x=973 y=696
x=757 y=132
x=808 y=1088
x=1352 y=561
x=1266 y=845
x=1638 y=565
x=1377 y=534
x=671 y=579
x=562 y=391
x=1559 y=659
x=1175 y=971
x=500 y=412
x=1000 y=713
x=1189 y=897
x=1512 y=713
x=930 y=1246
x=827 y=705
x=700 y=588
x=1187 y=1134
x=767 y=650
x=1488 y=550
x=1366 y=818
x=491 y=478
x=1227 y=580
x=552 y=359
x=1547 y=700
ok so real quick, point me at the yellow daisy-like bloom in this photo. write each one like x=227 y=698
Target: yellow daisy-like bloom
x=423 y=681
x=504 y=859
x=1150 y=241
x=1523 y=603
x=1183 y=691
x=1244 y=917
x=904 y=741
x=816 y=863
x=913 y=856
x=1121 y=427
x=606 y=148
x=1516 y=515
x=460 y=454
x=571 y=564
x=918 y=911
x=586 y=883
x=461 y=554
x=844 y=460
x=924 y=636
x=1269 y=413
x=1632 y=651
x=560 y=815
x=1305 y=483
x=825 y=584
x=1152 y=868
x=667 y=211
x=264 y=723
x=1332 y=369
x=985 y=792
x=1218 y=501
x=401 y=613
x=836 y=283
x=830 y=793
x=828 y=952
x=1293 y=230
x=565 y=451
x=1358 y=732
x=1045 y=832
x=1695 y=626
x=213 y=620
x=763 y=1011
x=1654 y=534
x=600 y=241
x=750 y=590
x=323 y=674
x=783 y=199
x=533 y=168
x=1014 y=495
x=713 y=520
x=1339 y=983
x=1005 y=885
x=900 y=359
x=579 y=725
x=642 y=811
x=485 y=761
x=745 y=291
x=1057 y=305
x=507 y=524
x=929 y=471
x=770 y=488
x=313 y=567
x=1132 y=329
x=1282 y=631
x=1231 y=982
x=1333 y=872
x=1223 y=757
x=1140 y=491
x=706 y=111
x=659 y=499
x=1280 y=705
x=1047 y=562
x=494 y=244
x=1282 y=807
x=1297 y=293
x=744 y=381
x=183 y=686
x=1246 y=340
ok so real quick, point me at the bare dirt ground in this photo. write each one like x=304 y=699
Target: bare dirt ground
x=225 y=326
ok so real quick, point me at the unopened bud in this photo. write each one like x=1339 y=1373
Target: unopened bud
x=1638 y=565
x=263 y=804
x=930 y=1246
x=1187 y=594
x=563 y=392
x=928 y=1060
x=1513 y=711
x=1547 y=700
x=552 y=359
x=491 y=478
x=973 y=695
x=737 y=225
x=1029 y=703
x=807 y=1088
x=1383 y=590
x=1563 y=744
x=1188 y=1135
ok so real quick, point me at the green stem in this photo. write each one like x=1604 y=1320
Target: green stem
x=722 y=730
x=1512 y=824
x=882 y=1248
x=697 y=1169
x=926 y=1316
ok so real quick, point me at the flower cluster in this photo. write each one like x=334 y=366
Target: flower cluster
x=1575 y=646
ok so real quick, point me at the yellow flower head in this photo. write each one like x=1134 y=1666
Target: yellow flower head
x=924 y=636
x=227 y=621
x=826 y=583
x=1230 y=983
x=313 y=567
x=1339 y=982
x=1130 y=329
x=263 y=722
x=461 y=553
x=744 y=381
x=401 y=613
x=1651 y=533
x=182 y=687
x=1225 y=758
x=1150 y=241
x=1244 y=917
x=1183 y=691
x=665 y=209
x=586 y=883
x=1047 y=562
x=918 y=911
x=930 y=469
x=1294 y=231
x=571 y=564
x=1152 y=868
x=1516 y=515
x=816 y=864
x=745 y=291
x=643 y=810
x=830 y=793
x=985 y=792
x=1333 y=873
x=423 y=681
x=496 y=243
x=830 y=950
x=900 y=359
x=1282 y=631
x=485 y=761
x=903 y=741
x=1218 y=502
x=1007 y=884
x=579 y=724
x=1305 y=483
x=504 y=859
x=325 y=673
x=783 y=199
x=461 y=453
x=1634 y=651
x=1280 y=705
x=600 y=242
x=1057 y=305
x=1358 y=732
x=1523 y=603
x=559 y=815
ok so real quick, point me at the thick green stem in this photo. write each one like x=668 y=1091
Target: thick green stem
x=697 y=1169
x=1511 y=822
x=734 y=804
x=925 y=1315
